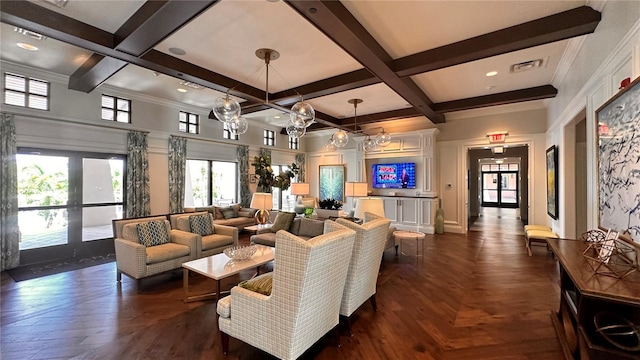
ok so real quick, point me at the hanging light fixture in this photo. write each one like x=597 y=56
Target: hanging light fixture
x=228 y=110
x=331 y=146
x=369 y=144
x=383 y=139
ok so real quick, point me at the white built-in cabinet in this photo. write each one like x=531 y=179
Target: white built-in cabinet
x=411 y=213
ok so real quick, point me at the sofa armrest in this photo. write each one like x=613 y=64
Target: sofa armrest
x=193 y=241
x=131 y=258
x=228 y=231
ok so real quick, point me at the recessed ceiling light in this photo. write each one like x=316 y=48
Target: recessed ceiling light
x=177 y=51
x=27 y=46
x=182 y=90
x=277 y=117
x=492 y=73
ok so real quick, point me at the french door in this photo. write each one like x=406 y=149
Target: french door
x=500 y=189
x=66 y=201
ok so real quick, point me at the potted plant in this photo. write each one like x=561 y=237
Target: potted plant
x=267 y=179
x=328 y=208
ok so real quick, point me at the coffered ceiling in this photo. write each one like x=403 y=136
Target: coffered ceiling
x=419 y=60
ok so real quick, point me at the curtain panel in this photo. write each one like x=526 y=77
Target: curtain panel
x=301 y=162
x=243 y=175
x=177 y=167
x=138 y=194
x=9 y=231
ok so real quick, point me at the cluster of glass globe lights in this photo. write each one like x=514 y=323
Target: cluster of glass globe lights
x=227 y=109
x=340 y=138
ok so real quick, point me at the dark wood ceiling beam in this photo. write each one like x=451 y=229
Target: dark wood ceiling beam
x=153 y=22
x=576 y=22
x=509 y=97
x=324 y=87
x=335 y=21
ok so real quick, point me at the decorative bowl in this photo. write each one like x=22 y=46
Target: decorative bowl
x=240 y=252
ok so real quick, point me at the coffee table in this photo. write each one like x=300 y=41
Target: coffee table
x=220 y=266
x=255 y=228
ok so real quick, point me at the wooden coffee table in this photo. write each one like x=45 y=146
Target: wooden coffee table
x=255 y=228
x=220 y=266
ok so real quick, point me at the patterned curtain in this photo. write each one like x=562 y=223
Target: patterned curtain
x=10 y=233
x=263 y=188
x=177 y=167
x=138 y=195
x=243 y=175
x=300 y=161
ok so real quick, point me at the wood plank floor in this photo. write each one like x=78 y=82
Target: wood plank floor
x=473 y=296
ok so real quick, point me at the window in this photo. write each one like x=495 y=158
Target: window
x=282 y=199
x=116 y=109
x=269 y=138
x=189 y=123
x=227 y=133
x=293 y=143
x=26 y=92
x=210 y=182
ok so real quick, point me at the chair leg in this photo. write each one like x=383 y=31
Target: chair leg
x=396 y=250
x=347 y=320
x=372 y=300
x=118 y=276
x=139 y=285
x=336 y=334
x=224 y=337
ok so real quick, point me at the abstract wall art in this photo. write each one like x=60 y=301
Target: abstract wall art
x=332 y=182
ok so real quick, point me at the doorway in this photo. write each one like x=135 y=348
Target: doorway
x=500 y=188
x=66 y=201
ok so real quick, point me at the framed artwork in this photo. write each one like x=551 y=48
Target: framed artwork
x=618 y=122
x=331 y=182
x=253 y=178
x=552 y=182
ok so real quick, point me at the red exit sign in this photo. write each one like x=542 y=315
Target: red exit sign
x=497 y=137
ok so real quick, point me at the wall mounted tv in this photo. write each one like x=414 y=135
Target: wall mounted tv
x=394 y=176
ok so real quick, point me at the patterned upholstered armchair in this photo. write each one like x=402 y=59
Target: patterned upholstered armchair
x=148 y=246
x=214 y=238
x=308 y=281
x=365 y=263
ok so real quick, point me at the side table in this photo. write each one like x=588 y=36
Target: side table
x=400 y=235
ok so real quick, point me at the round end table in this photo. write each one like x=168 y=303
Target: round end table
x=400 y=235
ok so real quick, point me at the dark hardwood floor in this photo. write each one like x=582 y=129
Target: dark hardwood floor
x=474 y=296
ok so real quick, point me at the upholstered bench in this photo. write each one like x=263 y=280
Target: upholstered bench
x=536 y=227
x=538 y=235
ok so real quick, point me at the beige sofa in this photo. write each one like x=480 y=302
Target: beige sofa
x=139 y=261
x=223 y=236
x=244 y=216
x=301 y=227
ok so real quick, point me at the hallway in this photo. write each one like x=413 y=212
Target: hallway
x=498 y=220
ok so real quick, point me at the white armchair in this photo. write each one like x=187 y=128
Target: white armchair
x=308 y=281
x=223 y=236
x=138 y=261
x=365 y=263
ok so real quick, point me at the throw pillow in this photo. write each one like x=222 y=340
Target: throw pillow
x=201 y=224
x=152 y=233
x=260 y=284
x=283 y=221
x=311 y=228
x=228 y=212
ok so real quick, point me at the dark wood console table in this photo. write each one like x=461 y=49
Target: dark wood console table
x=583 y=294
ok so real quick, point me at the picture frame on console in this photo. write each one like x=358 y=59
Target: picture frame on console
x=618 y=123
x=552 y=182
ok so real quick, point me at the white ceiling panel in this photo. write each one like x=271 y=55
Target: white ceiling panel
x=376 y=98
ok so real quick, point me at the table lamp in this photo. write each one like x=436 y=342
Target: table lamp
x=262 y=202
x=299 y=189
x=371 y=205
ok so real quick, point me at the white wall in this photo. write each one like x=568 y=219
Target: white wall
x=605 y=57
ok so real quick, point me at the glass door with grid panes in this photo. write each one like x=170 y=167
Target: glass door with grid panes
x=500 y=185
x=282 y=199
x=66 y=203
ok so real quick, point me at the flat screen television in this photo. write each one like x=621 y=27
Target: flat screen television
x=394 y=176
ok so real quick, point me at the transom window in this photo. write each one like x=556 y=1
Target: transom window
x=226 y=133
x=116 y=109
x=269 y=138
x=26 y=92
x=189 y=123
x=293 y=143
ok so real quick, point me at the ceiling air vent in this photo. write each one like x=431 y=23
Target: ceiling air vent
x=191 y=85
x=527 y=65
x=29 y=33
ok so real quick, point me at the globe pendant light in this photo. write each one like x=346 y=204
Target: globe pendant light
x=340 y=138
x=294 y=131
x=226 y=108
x=330 y=146
x=383 y=139
x=302 y=114
x=238 y=125
x=368 y=144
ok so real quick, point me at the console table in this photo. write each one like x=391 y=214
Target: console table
x=583 y=294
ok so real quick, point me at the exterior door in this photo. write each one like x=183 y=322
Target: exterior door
x=66 y=201
x=500 y=189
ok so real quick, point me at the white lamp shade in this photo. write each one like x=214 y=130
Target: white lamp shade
x=356 y=189
x=261 y=201
x=300 y=189
x=371 y=205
